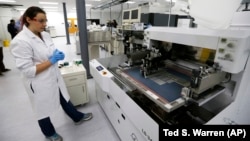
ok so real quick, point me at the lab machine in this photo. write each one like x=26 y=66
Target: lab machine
x=179 y=76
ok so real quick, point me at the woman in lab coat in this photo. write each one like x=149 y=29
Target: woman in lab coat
x=36 y=57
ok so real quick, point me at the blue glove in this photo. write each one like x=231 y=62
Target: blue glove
x=53 y=58
x=56 y=56
x=60 y=55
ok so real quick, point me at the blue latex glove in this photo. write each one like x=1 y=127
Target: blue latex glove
x=53 y=59
x=60 y=55
x=56 y=56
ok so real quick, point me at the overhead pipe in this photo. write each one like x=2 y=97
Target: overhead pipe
x=109 y=4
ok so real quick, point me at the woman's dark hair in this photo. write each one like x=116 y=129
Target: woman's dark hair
x=31 y=12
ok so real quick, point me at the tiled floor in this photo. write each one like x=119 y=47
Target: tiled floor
x=17 y=122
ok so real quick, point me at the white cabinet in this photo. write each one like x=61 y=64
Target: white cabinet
x=76 y=82
x=118 y=118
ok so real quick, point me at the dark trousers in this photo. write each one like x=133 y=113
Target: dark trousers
x=2 y=67
x=46 y=125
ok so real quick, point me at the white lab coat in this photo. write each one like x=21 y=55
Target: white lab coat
x=43 y=88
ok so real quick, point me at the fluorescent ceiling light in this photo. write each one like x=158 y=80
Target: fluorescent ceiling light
x=7 y=1
x=20 y=9
x=51 y=3
x=130 y=2
x=170 y=0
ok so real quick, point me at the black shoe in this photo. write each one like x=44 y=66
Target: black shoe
x=5 y=70
x=1 y=74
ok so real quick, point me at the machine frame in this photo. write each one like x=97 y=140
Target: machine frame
x=119 y=106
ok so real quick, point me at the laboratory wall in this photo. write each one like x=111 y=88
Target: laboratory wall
x=104 y=16
x=6 y=14
x=58 y=23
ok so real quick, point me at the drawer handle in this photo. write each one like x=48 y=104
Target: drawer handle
x=117 y=105
x=123 y=116
x=108 y=97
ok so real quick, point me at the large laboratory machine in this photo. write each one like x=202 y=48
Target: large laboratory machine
x=180 y=76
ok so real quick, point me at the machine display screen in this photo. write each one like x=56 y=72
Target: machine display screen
x=99 y=68
x=126 y=15
x=134 y=14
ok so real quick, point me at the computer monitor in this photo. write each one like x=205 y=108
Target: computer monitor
x=126 y=14
x=135 y=15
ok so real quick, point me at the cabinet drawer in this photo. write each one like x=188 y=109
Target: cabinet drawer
x=73 y=80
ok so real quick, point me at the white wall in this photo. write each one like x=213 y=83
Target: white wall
x=6 y=14
x=55 y=19
x=104 y=16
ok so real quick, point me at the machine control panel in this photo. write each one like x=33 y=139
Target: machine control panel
x=227 y=47
x=231 y=54
x=99 y=68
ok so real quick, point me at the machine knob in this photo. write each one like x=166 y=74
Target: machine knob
x=230 y=45
x=228 y=56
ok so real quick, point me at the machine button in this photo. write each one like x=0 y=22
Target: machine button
x=228 y=57
x=230 y=45
x=223 y=40
x=104 y=72
x=221 y=50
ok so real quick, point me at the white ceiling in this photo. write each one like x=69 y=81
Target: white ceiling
x=70 y=4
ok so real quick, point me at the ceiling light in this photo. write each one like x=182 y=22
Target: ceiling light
x=130 y=2
x=20 y=9
x=7 y=1
x=51 y=3
x=171 y=1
